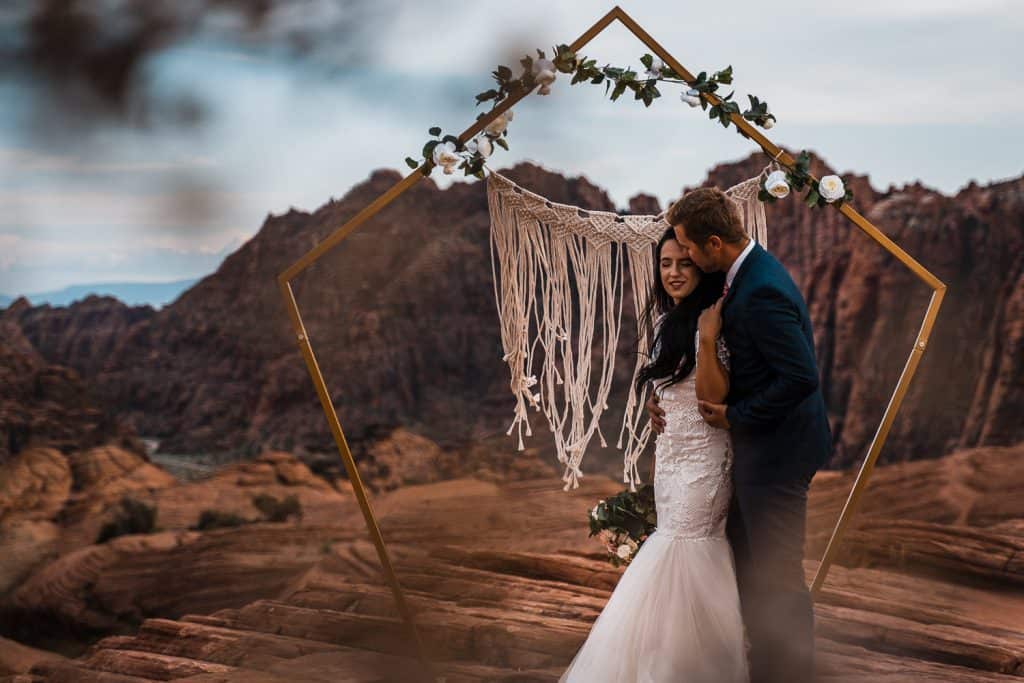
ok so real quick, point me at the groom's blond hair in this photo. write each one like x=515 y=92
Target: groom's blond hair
x=707 y=211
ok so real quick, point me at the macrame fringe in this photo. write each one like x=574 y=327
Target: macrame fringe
x=559 y=282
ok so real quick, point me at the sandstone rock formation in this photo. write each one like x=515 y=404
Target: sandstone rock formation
x=403 y=322
x=57 y=583
x=45 y=403
x=505 y=584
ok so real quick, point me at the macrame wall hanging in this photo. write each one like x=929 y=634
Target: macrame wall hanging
x=559 y=284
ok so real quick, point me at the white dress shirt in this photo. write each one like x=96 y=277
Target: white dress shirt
x=735 y=267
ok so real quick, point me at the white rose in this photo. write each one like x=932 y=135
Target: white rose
x=831 y=188
x=542 y=65
x=691 y=97
x=768 y=123
x=777 y=185
x=483 y=144
x=499 y=124
x=544 y=73
x=623 y=551
x=655 y=71
x=445 y=155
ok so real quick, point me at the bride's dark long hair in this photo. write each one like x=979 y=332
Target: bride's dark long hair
x=673 y=340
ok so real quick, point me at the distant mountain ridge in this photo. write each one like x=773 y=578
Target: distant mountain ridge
x=155 y=294
x=403 y=323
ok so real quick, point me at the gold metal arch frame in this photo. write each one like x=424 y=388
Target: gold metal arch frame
x=769 y=148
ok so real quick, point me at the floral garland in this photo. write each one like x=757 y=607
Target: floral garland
x=830 y=189
x=450 y=153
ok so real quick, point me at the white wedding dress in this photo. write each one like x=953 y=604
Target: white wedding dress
x=674 y=616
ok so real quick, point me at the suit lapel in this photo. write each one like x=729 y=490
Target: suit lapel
x=754 y=254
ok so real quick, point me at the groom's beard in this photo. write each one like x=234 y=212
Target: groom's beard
x=708 y=266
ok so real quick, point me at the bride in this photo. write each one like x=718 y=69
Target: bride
x=674 y=615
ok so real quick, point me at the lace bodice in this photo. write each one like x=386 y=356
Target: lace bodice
x=693 y=462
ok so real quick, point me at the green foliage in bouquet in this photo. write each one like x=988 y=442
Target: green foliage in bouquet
x=624 y=521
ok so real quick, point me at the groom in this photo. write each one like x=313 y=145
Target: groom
x=780 y=434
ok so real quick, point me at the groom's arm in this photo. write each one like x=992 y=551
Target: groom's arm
x=773 y=322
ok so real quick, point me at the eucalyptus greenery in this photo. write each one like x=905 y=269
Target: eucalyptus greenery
x=541 y=71
x=617 y=80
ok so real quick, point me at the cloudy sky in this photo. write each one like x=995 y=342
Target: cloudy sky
x=927 y=90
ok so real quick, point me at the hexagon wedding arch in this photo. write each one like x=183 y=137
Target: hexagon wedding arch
x=727 y=115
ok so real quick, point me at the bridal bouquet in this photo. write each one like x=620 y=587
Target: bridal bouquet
x=623 y=522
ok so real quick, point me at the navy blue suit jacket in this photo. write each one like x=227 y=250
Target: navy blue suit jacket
x=776 y=411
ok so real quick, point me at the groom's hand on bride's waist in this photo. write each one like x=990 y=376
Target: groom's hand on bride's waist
x=657 y=415
x=714 y=413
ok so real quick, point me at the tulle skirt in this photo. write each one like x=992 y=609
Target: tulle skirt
x=674 y=617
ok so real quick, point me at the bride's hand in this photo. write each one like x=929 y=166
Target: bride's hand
x=710 y=322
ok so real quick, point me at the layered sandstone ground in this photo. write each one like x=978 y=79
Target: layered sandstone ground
x=505 y=583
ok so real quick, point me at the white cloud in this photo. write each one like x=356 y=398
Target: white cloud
x=880 y=87
x=21 y=161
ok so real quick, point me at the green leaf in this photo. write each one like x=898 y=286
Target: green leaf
x=803 y=162
x=428 y=149
x=647 y=60
x=436 y=130
x=412 y=163
x=620 y=88
x=504 y=72
x=812 y=197
x=724 y=76
x=487 y=95
x=501 y=142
